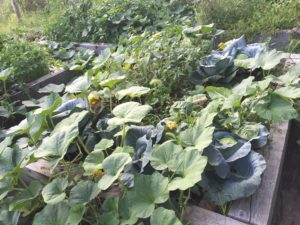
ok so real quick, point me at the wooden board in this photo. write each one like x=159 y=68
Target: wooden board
x=198 y=216
x=96 y=47
x=59 y=77
x=258 y=208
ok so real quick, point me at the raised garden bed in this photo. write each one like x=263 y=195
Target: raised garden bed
x=258 y=208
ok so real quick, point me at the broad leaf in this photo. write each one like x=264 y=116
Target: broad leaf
x=218 y=92
x=132 y=92
x=79 y=85
x=57 y=144
x=200 y=135
x=49 y=104
x=113 y=165
x=164 y=216
x=103 y=145
x=11 y=160
x=129 y=112
x=8 y=217
x=266 y=60
x=4 y=74
x=167 y=156
x=288 y=92
x=25 y=197
x=52 y=215
x=54 y=192
x=93 y=162
x=275 y=108
x=112 y=81
x=83 y=193
x=189 y=171
x=148 y=191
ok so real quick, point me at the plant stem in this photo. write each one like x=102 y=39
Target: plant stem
x=181 y=204
x=110 y=103
x=4 y=88
x=70 y=174
x=123 y=135
x=83 y=145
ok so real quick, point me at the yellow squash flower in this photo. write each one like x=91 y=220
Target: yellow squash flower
x=171 y=125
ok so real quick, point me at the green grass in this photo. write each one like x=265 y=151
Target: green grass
x=250 y=17
x=33 y=23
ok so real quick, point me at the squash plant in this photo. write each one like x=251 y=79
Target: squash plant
x=110 y=163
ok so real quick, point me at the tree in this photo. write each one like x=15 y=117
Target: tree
x=16 y=8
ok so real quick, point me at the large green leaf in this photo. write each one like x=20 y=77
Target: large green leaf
x=49 y=104
x=291 y=77
x=129 y=112
x=218 y=92
x=288 y=92
x=164 y=216
x=112 y=81
x=75 y=214
x=275 y=108
x=244 y=88
x=5 y=186
x=11 y=160
x=103 y=145
x=167 y=156
x=93 y=162
x=54 y=192
x=148 y=190
x=113 y=165
x=56 y=145
x=79 y=85
x=266 y=60
x=25 y=197
x=83 y=192
x=4 y=74
x=8 y=217
x=200 y=135
x=132 y=92
x=102 y=58
x=189 y=171
x=52 y=215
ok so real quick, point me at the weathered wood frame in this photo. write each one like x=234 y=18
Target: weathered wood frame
x=258 y=208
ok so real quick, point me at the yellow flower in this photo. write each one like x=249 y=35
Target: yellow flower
x=171 y=125
x=98 y=173
x=94 y=98
x=222 y=45
x=127 y=66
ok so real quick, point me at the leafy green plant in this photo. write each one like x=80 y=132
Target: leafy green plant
x=28 y=61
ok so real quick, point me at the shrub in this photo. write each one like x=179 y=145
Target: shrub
x=105 y=21
x=28 y=60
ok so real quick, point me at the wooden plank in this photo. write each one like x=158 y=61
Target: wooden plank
x=241 y=210
x=41 y=166
x=198 y=216
x=59 y=77
x=96 y=47
x=264 y=199
x=258 y=209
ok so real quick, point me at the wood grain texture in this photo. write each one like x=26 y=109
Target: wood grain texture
x=198 y=216
x=287 y=207
x=258 y=209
